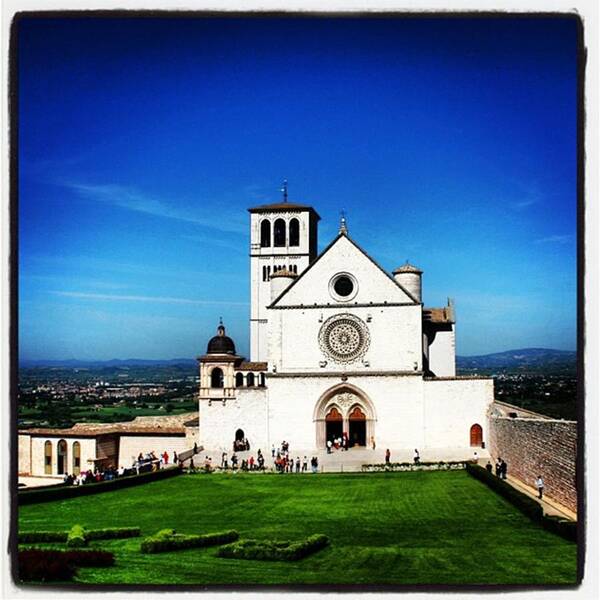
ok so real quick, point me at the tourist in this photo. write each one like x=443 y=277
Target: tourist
x=273 y=450
x=195 y=448
x=304 y=464
x=503 y=469
x=224 y=460
x=121 y=471
x=475 y=457
x=234 y=461
x=488 y=467
x=261 y=462
x=498 y=469
x=297 y=464
x=387 y=456
x=192 y=468
x=539 y=484
x=329 y=444
x=251 y=463
x=166 y=457
x=373 y=442
x=175 y=459
x=416 y=457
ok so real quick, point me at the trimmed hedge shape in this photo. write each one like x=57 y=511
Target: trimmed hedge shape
x=76 y=537
x=33 y=537
x=63 y=492
x=272 y=550
x=35 y=564
x=167 y=540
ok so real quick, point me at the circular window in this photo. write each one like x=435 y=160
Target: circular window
x=343 y=287
x=344 y=338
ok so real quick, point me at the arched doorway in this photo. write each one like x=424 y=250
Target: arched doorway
x=476 y=435
x=61 y=457
x=334 y=424
x=357 y=427
x=76 y=458
x=48 y=458
x=345 y=398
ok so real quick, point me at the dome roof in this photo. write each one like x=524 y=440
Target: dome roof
x=284 y=273
x=220 y=344
x=407 y=268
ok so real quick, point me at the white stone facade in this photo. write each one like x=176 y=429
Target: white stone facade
x=344 y=348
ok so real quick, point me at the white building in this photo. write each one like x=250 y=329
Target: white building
x=337 y=345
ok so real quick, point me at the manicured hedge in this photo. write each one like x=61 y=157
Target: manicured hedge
x=76 y=537
x=35 y=564
x=563 y=527
x=36 y=537
x=270 y=550
x=167 y=540
x=63 y=492
x=413 y=466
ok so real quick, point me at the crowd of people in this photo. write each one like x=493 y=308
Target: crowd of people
x=242 y=445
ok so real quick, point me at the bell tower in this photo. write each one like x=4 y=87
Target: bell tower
x=283 y=235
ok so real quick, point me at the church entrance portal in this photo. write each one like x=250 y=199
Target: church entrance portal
x=334 y=424
x=357 y=422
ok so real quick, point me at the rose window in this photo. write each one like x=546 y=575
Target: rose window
x=344 y=338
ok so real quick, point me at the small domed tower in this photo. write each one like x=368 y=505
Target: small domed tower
x=409 y=277
x=217 y=379
x=280 y=280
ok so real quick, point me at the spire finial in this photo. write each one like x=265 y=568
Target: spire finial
x=221 y=321
x=343 y=227
x=221 y=327
x=284 y=190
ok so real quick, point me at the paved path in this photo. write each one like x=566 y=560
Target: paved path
x=549 y=506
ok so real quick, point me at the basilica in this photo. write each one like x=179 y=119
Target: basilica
x=338 y=346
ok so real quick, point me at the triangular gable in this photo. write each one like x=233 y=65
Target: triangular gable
x=375 y=285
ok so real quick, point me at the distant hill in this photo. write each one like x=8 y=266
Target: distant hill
x=525 y=358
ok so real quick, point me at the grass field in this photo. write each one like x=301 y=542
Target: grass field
x=389 y=528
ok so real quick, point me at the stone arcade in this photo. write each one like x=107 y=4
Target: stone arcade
x=337 y=345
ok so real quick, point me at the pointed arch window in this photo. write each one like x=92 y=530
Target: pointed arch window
x=294 y=232
x=265 y=233
x=279 y=233
x=216 y=378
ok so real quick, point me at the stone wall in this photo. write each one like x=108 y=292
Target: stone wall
x=533 y=446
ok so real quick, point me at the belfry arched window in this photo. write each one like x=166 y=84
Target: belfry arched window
x=265 y=233
x=48 y=458
x=216 y=378
x=279 y=233
x=294 y=232
x=76 y=458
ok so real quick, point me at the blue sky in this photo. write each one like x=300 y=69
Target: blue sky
x=451 y=143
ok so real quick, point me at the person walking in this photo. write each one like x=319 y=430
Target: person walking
x=387 y=456
x=273 y=450
x=417 y=458
x=373 y=442
x=539 y=484
x=498 y=467
x=329 y=444
x=503 y=469
x=304 y=464
x=488 y=467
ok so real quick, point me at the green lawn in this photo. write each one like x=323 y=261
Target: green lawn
x=389 y=528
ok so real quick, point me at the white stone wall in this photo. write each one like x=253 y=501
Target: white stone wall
x=451 y=407
x=87 y=451
x=442 y=361
x=219 y=422
x=395 y=339
x=131 y=445
x=24 y=447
